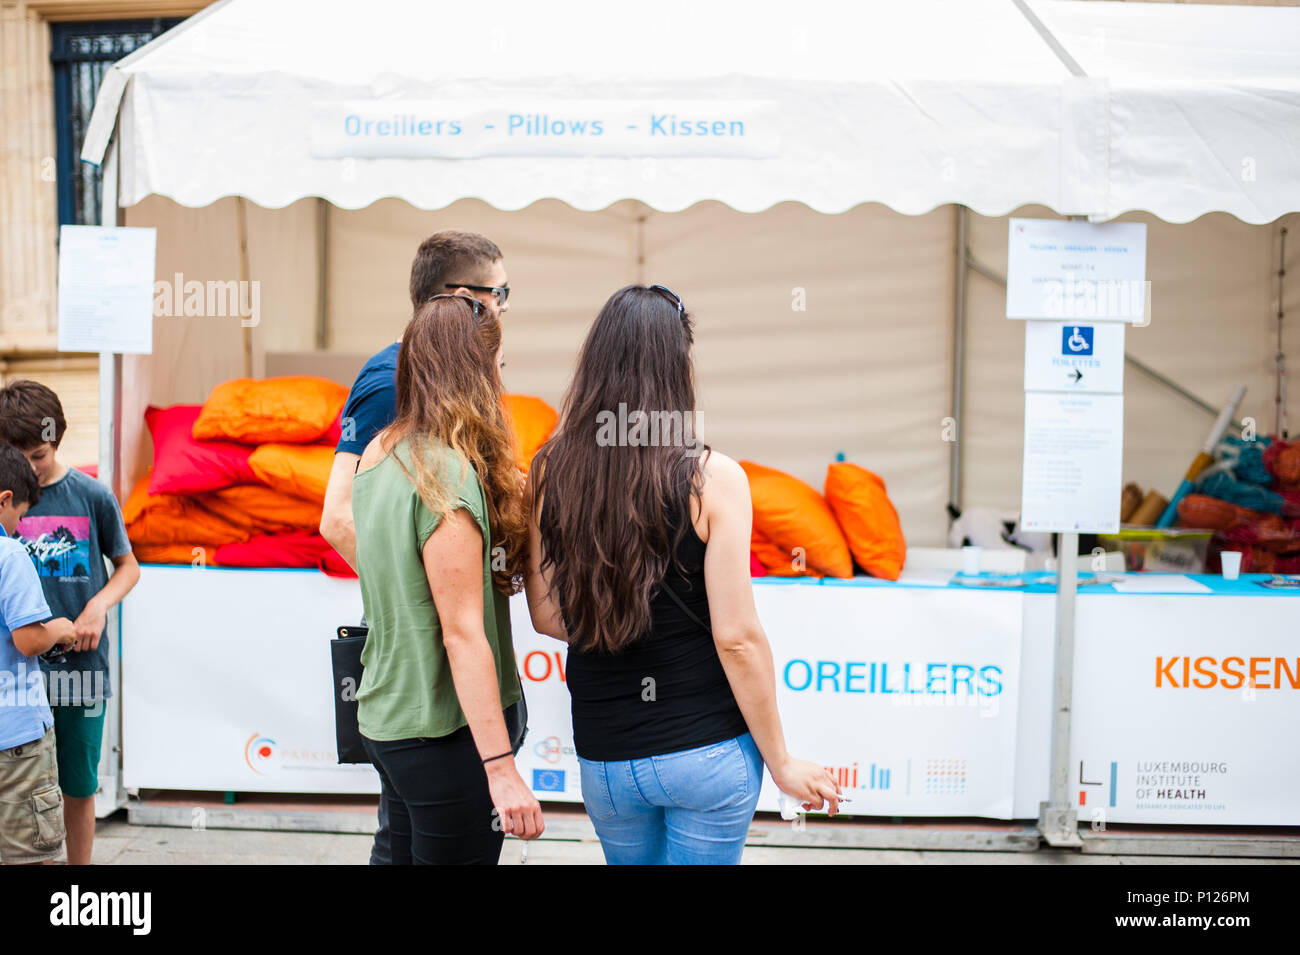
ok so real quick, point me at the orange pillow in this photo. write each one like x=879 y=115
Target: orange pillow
x=157 y=519
x=868 y=519
x=533 y=421
x=262 y=510
x=302 y=470
x=295 y=408
x=791 y=514
x=174 y=554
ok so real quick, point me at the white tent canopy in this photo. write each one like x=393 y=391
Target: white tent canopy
x=1088 y=108
x=881 y=108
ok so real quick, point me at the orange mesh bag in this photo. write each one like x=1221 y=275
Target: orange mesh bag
x=174 y=554
x=262 y=510
x=164 y=519
x=791 y=514
x=302 y=470
x=295 y=408
x=1282 y=458
x=532 y=421
x=1207 y=513
x=867 y=517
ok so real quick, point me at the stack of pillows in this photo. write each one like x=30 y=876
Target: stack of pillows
x=239 y=481
x=798 y=532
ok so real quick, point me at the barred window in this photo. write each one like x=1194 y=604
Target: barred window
x=81 y=54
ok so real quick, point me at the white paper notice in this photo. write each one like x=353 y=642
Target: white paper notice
x=1074 y=356
x=1077 y=271
x=1074 y=448
x=106 y=284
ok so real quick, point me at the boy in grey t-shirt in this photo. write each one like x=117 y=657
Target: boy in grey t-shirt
x=76 y=525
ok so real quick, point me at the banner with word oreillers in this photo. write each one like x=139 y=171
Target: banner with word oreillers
x=910 y=703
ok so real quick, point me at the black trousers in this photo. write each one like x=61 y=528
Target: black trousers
x=434 y=793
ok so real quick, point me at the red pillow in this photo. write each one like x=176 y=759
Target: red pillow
x=334 y=435
x=275 y=550
x=182 y=465
x=333 y=565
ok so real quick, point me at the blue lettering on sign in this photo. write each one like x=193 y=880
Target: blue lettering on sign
x=544 y=124
x=1076 y=340
x=399 y=126
x=932 y=679
x=667 y=124
x=807 y=673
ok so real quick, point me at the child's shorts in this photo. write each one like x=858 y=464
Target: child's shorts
x=31 y=809
x=80 y=733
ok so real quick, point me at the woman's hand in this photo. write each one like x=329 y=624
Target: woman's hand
x=809 y=783
x=516 y=807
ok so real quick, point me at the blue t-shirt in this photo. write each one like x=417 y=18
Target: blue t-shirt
x=372 y=402
x=24 y=710
x=67 y=535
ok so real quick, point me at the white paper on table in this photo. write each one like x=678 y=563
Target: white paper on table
x=934 y=578
x=1160 y=584
x=106 y=286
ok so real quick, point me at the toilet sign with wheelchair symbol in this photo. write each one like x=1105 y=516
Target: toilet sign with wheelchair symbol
x=1076 y=340
x=1074 y=356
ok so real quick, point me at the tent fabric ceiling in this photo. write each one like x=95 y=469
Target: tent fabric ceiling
x=1182 y=110
x=814 y=334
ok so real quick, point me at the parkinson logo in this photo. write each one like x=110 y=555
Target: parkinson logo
x=259 y=752
x=548 y=749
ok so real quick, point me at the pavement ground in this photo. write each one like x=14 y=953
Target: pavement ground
x=118 y=842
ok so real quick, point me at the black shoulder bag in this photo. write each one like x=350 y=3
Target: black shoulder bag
x=672 y=594
x=345 y=657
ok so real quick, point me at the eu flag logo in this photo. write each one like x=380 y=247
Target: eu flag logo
x=548 y=780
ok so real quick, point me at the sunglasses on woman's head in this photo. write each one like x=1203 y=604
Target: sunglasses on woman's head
x=477 y=305
x=676 y=299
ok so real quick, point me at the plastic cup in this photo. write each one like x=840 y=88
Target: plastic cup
x=1231 y=561
x=970 y=561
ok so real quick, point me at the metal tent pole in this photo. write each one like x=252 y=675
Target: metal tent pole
x=111 y=795
x=961 y=263
x=1058 y=820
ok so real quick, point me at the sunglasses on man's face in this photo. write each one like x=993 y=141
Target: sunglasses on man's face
x=502 y=292
x=474 y=303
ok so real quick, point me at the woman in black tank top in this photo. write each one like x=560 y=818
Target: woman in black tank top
x=670 y=675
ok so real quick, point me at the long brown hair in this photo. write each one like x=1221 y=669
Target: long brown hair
x=449 y=393
x=613 y=515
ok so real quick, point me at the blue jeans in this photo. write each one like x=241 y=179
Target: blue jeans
x=687 y=808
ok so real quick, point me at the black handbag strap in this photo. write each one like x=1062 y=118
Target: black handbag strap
x=685 y=609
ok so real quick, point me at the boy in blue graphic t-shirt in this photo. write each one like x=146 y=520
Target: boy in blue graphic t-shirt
x=31 y=812
x=76 y=525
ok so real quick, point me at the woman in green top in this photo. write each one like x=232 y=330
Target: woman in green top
x=440 y=546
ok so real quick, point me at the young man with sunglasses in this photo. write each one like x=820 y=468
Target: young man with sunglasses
x=447 y=263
